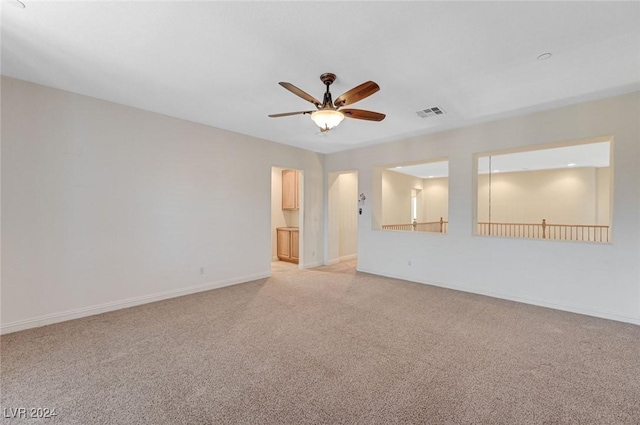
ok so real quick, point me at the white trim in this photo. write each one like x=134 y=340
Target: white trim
x=312 y=265
x=563 y=307
x=348 y=257
x=117 y=305
x=337 y=260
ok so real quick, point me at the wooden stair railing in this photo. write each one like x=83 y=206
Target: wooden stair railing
x=544 y=230
x=430 y=226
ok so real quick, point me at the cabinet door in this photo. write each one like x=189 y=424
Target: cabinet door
x=295 y=242
x=284 y=244
x=289 y=190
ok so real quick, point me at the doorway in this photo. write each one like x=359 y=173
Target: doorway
x=342 y=217
x=287 y=207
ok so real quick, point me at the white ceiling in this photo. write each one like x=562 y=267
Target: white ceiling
x=588 y=155
x=219 y=63
x=426 y=170
x=585 y=155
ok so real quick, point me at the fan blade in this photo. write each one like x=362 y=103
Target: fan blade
x=357 y=93
x=306 y=96
x=286 y=114
x=361 y=114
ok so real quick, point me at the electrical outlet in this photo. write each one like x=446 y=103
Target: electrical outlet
x=409 y=262
x=201 y=270
x=313 y=254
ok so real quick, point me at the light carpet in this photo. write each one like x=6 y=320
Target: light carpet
x=327 y=346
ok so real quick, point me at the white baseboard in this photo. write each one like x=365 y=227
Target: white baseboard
x=337 y=260
x=312 y=265
x=348 y=257
x=540 y=303
x=117 y=305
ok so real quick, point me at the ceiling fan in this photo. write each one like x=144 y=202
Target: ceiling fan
x=328 y=114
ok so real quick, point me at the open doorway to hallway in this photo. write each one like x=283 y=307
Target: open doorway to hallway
x=286 y=217
x=342 y=206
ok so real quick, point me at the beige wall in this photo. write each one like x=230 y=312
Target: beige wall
x=562 y=196
x=342 y=219
x=347 y=215
x=590 y=278
x=433 y=200
x=603 y=196
x=106 y=206
x=396 y=196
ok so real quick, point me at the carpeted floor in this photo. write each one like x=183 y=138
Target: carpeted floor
x=327 y=346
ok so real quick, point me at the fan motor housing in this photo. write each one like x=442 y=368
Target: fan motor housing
x=328 y=78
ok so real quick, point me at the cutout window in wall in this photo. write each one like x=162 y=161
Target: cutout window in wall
x=558 y=193
x=415 y=198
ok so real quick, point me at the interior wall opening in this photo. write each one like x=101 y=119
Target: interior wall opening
x=342 y=220
x=287 y=212
x=415 y=197
x=556 y=192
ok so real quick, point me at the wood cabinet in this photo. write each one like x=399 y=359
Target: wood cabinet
x=288 y=239
x=295 y=246
x=290 y=190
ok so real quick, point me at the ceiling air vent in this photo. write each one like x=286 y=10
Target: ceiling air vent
x=430 y=112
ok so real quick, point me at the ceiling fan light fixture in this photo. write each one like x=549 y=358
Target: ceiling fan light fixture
x=327 y=119
x=329 y=114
